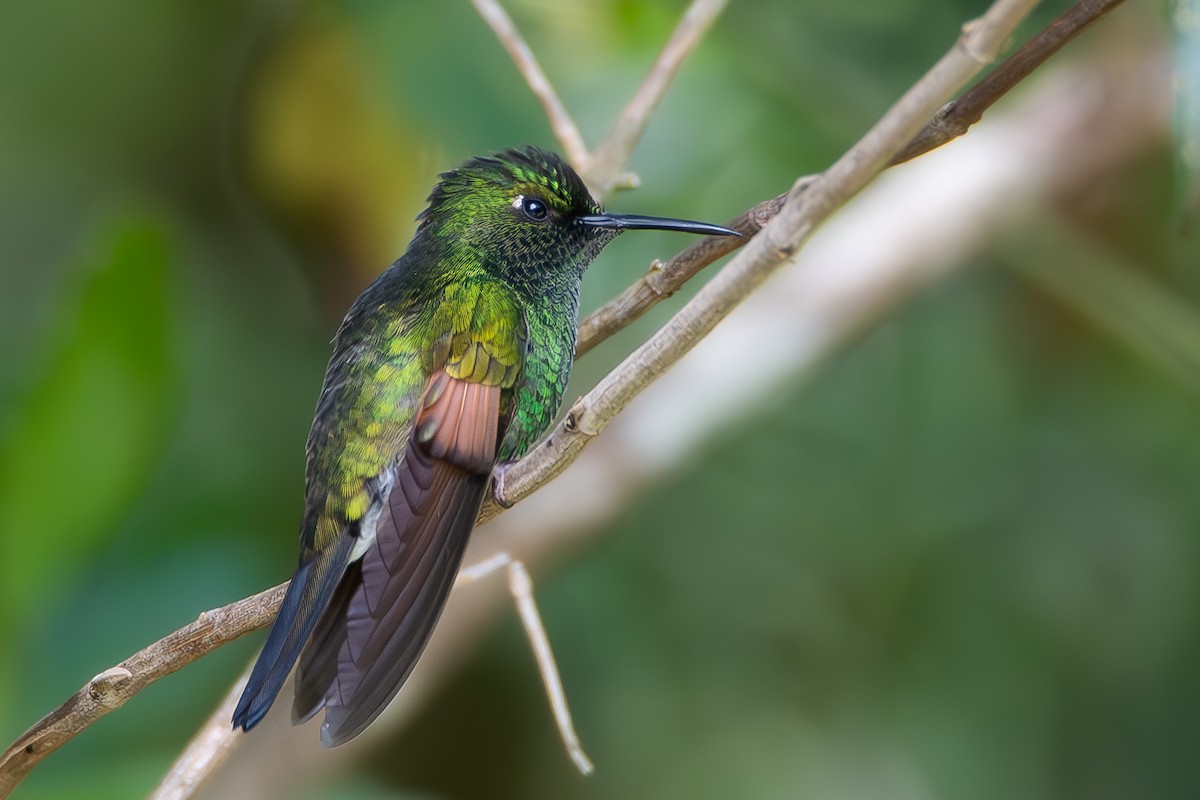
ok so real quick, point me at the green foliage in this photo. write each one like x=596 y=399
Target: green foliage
x=84 y=436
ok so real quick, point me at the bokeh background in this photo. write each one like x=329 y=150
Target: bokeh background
x=959 y=561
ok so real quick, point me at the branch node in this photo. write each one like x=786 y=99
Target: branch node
x=653 y=278
x=626 y=180
x=105 y=688
x=579 y=419
x=967 y=43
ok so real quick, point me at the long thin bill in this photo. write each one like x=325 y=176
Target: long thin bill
x=629 y=222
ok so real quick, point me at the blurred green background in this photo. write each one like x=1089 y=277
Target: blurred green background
x=961 y=561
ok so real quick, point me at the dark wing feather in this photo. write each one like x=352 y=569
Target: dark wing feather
x=303 y=603
x=318 y=662
x=369 y=639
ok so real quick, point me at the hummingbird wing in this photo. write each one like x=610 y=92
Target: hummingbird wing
x=383 y=612
x=397 y=472
x=366 y=645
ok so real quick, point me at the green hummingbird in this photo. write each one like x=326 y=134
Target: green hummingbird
x=453 y=360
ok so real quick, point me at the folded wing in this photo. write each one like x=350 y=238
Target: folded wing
x=382 y=613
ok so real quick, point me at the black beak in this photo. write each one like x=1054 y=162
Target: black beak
x=628 y=222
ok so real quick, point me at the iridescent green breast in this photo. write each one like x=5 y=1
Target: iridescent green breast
x=551 y=321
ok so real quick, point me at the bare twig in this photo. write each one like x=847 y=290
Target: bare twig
x=564 y=128
x=520 y=586
x=957 y=116
x=111 y=689
x=207 y=751
x=604 y=169
x=774 y=246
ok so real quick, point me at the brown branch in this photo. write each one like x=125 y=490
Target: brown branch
x=112 y=688
x=957 y=116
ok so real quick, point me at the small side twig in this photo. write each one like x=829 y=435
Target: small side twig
x=520 y=586
x=604 y=169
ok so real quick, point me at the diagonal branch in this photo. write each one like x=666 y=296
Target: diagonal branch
x=603 y=170
x=667 y=277
x=564 y=128
x=957 y=116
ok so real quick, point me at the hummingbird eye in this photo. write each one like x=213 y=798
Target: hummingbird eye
x=533 y=209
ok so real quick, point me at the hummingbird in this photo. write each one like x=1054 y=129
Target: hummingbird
x=452 y=361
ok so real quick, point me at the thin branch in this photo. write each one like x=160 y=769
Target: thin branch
x=211 y=747
x=777 y=243
x=112 y=688
x=954 y=119
x=564 y=128
x=520 y=586
x=607 y=163
x=604 y=169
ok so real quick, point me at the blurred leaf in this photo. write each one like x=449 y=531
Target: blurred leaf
x=84 y=436
x=327 y=153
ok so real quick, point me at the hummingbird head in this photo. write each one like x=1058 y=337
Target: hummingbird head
x=528 y=217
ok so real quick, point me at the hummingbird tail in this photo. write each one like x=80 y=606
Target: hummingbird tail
x=298 y=614
x=318 y=660
x=392 y=602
